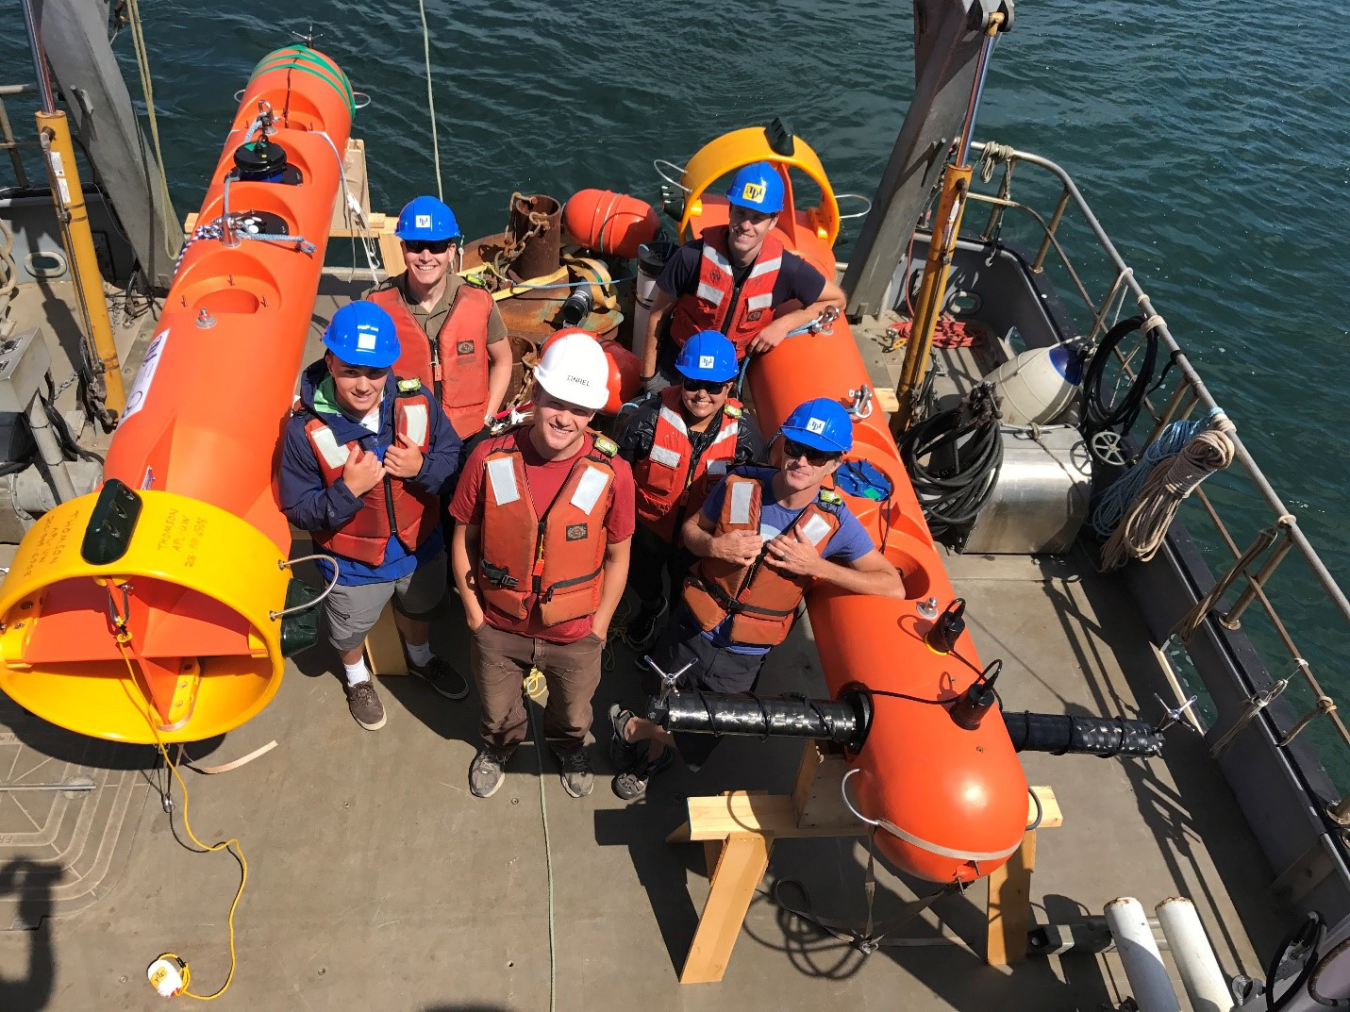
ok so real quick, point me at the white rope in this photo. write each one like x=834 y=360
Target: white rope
x=147 y=87
x=1141 y=533
x=431 y=101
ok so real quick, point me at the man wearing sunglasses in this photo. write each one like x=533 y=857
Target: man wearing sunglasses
x=681 y=443
x=452 y=335
x=736 y=278
x=763 y=537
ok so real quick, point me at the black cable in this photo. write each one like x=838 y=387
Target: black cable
x=953 y=460
x=1096 y=414
x=1306 y=935
x=63 y=434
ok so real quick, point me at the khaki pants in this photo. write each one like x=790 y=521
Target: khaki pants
x=501 y=660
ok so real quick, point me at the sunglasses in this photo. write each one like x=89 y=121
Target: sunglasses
x=429 y=245
x=708 y=386
x=793 y=449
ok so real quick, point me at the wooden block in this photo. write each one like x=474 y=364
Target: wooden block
x=712 y=853
x=816 y=797
x=1009 y=910
x=744 y=859
x=384 y=646
x=886 y=399
x=190 y=223
x=1051 y=816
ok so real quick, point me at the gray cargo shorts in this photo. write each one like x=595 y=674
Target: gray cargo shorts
x=353 y=611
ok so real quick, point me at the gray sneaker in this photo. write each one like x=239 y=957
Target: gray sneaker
x=487 y=772
x=575 y=772
x=632 y=784
x=623 y=755
x=364 y=703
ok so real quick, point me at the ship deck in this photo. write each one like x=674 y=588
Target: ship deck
x=377 y=881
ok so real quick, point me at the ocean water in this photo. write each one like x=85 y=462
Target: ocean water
x=1212 y=139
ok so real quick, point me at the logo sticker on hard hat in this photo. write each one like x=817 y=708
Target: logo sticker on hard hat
x=753 y=191
x=816 y=425
x=422 y=221
x=707 y=361
x=365 y=339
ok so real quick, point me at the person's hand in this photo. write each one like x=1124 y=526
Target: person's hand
x=738 y=547
x=770 y=337
x=362 y=472
x=600 y=629
x=403 y=459
x=791 y=553
x=653 y=384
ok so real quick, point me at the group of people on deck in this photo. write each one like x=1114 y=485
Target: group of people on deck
x=390 y=461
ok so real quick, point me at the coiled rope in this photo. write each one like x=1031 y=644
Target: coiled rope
x=1167 y=479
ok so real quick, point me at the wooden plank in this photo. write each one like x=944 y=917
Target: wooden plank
x=1009 y=910
x=886 y=399
x=745 y=857
x=384 y=646
x=391 y=249
x=716 y=818
x=1051 y=816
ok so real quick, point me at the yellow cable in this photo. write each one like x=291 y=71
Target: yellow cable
x=123 y=638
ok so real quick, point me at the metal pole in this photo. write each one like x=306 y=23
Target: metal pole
x=50 y=451
x=44 y=80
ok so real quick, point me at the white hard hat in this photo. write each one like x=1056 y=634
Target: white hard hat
x=575 y=369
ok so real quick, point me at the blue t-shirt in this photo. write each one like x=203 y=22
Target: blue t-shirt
x=851 y=541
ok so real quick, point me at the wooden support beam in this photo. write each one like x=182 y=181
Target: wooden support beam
x=1009 y=910
x=384 y=646
x=741 y=867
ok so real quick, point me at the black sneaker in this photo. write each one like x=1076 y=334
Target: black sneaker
x=364 y=703
x=487 y=772
x=632 y=784
x=575 y=772
x=441 y=677
x=646 y=626
x=623 y=754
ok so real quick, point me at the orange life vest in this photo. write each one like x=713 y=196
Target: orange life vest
x=668 y=488
x=455 y=365
x=557 y=558
x=710 y=307
x=394 y=506
x=760 y=598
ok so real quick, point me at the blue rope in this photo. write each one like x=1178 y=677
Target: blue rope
x=1115 y=501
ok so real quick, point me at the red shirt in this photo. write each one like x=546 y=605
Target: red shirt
x=545 y=479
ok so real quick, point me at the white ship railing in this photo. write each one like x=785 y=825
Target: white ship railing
x=1190 y=392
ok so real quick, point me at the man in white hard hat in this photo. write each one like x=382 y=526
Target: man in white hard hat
x=540 y=555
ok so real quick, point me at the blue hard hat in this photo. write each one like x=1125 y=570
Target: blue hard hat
x=361 y=333
x=757 y=186
x=427 y=218
x=821 y=424
x=707 y=355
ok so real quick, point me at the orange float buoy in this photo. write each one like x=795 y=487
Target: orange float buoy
x=609 y=223
x=625 y=369
x=151 y=611
x=950 y=804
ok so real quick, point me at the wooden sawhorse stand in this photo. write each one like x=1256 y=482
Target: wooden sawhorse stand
x=738 y=830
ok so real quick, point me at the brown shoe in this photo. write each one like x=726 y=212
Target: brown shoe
x=364 y=703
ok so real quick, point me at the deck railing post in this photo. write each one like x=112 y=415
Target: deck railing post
x=1233 y=618
x=1038 y=265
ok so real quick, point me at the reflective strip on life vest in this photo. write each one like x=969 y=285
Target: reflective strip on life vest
x=815 y=529
x=665 y=455
x=718 y=466
x=673 y=417
x=758 y=302
x=502 y=475
x=727 y=432
x=418 y=421
x=760 y=269
x=740 y=493
x=334 y=454
x=715 y=255
x=710 y=293
x=589 y=489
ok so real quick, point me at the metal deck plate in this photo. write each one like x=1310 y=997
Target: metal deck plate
x=59 y=847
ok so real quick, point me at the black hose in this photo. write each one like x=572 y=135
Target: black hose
x=64 y=436
x=1097 y=415
x=1306 y=936
x=953 y=460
